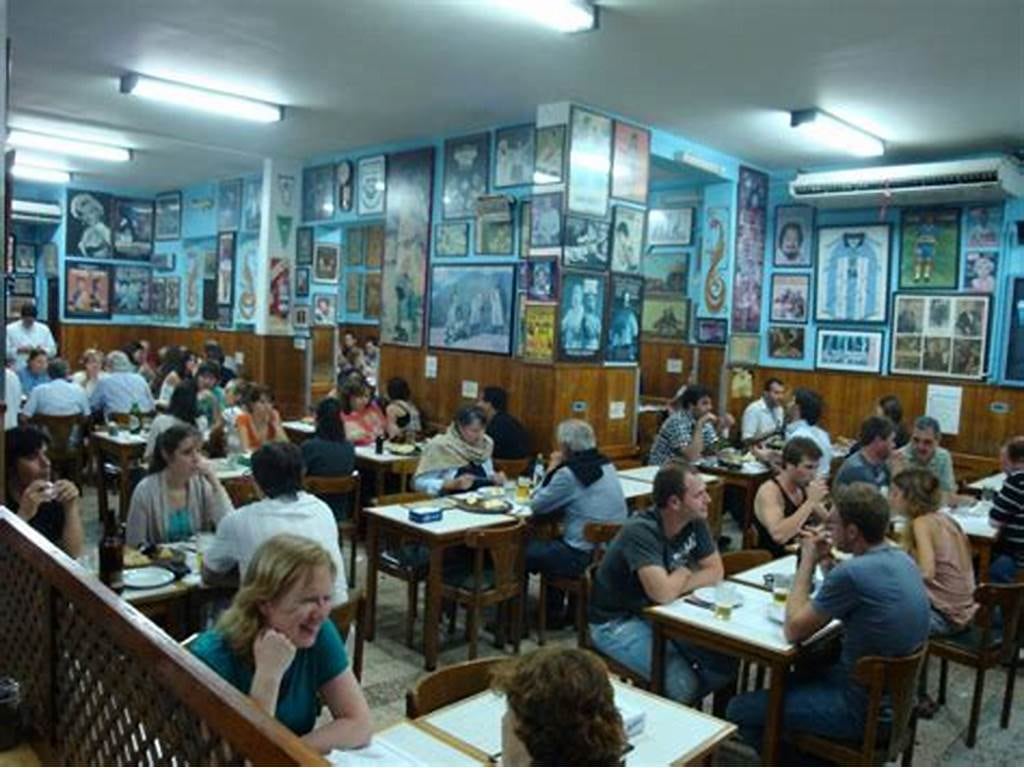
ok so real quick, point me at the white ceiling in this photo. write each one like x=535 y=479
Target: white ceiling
x=932 y=77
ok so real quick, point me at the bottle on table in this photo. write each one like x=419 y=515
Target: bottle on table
x=538 y=470
x=135 y=419
x=112 y=557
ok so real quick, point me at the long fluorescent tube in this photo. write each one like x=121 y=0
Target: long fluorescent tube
x=63 y=146
x=202 y=99
x=560 y=15
x=835 y=133
x=34 y=173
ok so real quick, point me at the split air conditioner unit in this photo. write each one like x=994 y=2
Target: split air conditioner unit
x=35 y=212
x=978 y=180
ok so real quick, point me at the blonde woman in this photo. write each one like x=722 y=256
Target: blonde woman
x=277 y=644
x=91 y=373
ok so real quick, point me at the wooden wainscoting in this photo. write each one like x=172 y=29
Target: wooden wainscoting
x=657 y=381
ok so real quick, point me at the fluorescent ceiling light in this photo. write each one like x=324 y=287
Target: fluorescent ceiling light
x=64 y=146
x=835 y=133
x=202 y=99
x=34 y=173
x=560 y=15
x=701 y=163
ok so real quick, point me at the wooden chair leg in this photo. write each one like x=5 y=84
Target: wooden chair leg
x=473 y=627
x=352 y=562
x=542 y=611
x=1011 y=679
x=581 y=621
x=517 y=623
x=943 y=676
x=979 y=688
x=759 y=675
x=907 y=758
x=412 y=592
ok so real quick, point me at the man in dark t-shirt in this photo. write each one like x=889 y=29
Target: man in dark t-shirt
x=657 y=557
x=511 y=440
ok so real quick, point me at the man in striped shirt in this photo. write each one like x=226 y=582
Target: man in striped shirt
x=1007 y=514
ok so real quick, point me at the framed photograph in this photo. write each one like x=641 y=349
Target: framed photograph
x=581 y=315
x=279 y=311
x=493 y=238
x=172 y=297
x=842 y=350
x=467 y=166
x=371 y=186
x=225 y=269
x=751 y=230
x=631 y=163
x=941 y=335
x=132 y=290
x=984 y=223
x=167 y=217
x=23 y=285
x=451 y=239
x=371 y=295
x=325 y=309
x=666 y=308
x=88 y=227
x=794 y=230
x=374 y=246
x=590 y=149
x=225 y=318
x=300 y=316
x=49 y=257
x=229 y=204
x=252 y=194
x=980 y=268
x=539 y=332
x=318 y=193
x=929 y=249
x=546 y=224
x=158 y=297
x=549 y=155
x=852 y=274
x=669 y=226
x=623 y=341
x=786 y=342
x=627 y=239
x=524 y=228
x=513 y=156
x=543 y=280
x=353 y=293
x=471 y=308
x=791 y=296
x=355 y=246
x=326 y=262
x=711 y=330
x=304 y=246
x=15 y=303
x=744 y=349
x=1015 y=341
x=24 y=257
x=344 y=177
x=302 y=282
x=164 y=261
x=586 y=243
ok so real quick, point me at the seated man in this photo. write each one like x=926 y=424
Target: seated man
x=34 y=373
x=1007 y=515
x=924 y=452
x=582 y=484
x=764 y=417
x=659 y=556
x=870 y=463
x=122 y=388
x=689 y=433
x=511 y=440
x=58 y=396
x=786 y=502
x=804 y=415
x=284 y=508
x=879 y=596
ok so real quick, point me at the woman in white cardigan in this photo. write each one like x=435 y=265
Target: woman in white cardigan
x=181 y=495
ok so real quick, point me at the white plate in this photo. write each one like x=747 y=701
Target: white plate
x=707 y=594
x=146 y=578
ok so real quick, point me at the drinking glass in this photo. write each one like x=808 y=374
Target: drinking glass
x=725 y=598
x=523 y=489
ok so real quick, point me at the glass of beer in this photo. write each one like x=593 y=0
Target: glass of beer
x=523 y=489
x=725 y=599
x=780 y=588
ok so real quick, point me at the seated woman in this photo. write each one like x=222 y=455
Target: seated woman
x=91 y=373
x=328 y=453
x=180 y=496
x=785 y=503
x=560 y=710
x=277 y=644
x=182 y=411
x=179 y=365
x=363 y=420
x=259 y=422
x=403 y=417
x=52 y=508
x=458 y=459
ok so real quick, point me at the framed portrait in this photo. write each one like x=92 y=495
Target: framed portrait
x=172 y=297
x=1015 y=341
x=355 y=246
x=524 y=228
x=940 y=335
x=666 y=308
x=513 y=156
x=631 y=163
x=493 y=238
x=300 y=316
x=132 y=290
x=371 y=295
x=280 y=295
x=225 y=318
x=669 y=226
x=15 y=303
x=581 y=315
x=791 y=296
x=539 y=332
x=980 y=269
x=88 y=224
x=229 y=204
x=326 y=262
x=23 y=285
x=852 y=274
x=984 y=224
x=374 y=246
x=451 y=239
x=467 y=166
x=24 y=257
x=252 y=194
x=843 y=350
x=471 y=308
x=622 y=344
x=543 y=280
x=546 y=224
x=590 y=148
x=325 y=309
x=929 y=249
x=344 y=178
x=51 y=261
x=627 y=239
x=586 y=243
x=712 y=331
x=225 y=269
x=549 y=155
x=794 y=231
x=744 y=349
x=751 y=229
x=158 y=297
x=304 y=246
x=318 y=193
x=353 y=293
x=786 y=342
x=167 y=217
x=371 y=185
x=165 y=261
x=302 y=282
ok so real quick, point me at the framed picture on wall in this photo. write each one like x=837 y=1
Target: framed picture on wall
x=302 y=282
x=371 y=185
x=49 y=257
x=24 y=257
x=229 y=204
x=355 y=246
x=326 y=262
x=513 y=156
x=325 y=309
x=791 y=296
x=794 y=231
x=929 y=248
x=318 y=193
x=167 y=217
x=631 y=159
x=165 y=261
x=371 y=296
x=852 y=274
x=581 y=315
x=467 y=166
x=623 y=338
x=343 y=177
x=23 y=285
x=132 y=289
x=586 y=243
x=542 y=284
x=1015 y=340
x=627 y=239
x=980 y=269
x=300 y=316
x=353 y=293
x=89 y=230
x=669 y=226
x=744 y=349
x=711 y=330
x=940 y=335
x=252 y=214
x=304 y=246
x=225 y=318
x=133 y=229
x=546 y=224
x=845 y=350
x=549 y=155
x=539 y=330
x=225 y=268
x=374 y=246
x=786 y=342
x=493 y=238
x=984 y=223
x=590 y=149
x=471 y=308
x=451 y=238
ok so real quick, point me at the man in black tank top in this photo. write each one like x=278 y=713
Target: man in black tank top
x=785 y=503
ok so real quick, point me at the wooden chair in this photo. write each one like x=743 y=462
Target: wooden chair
x=331 y=489
x=598 y=534
x=513 y=468
x=744 y=560
x=241 y=490
x=616 y=668
x=67 y=438
x=394 y=564
x=448 y=685
x=983 y=647
x=496 y=579
x=353 y=611
x=879 y=675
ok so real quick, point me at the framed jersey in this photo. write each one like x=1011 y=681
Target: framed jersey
x=853 y=273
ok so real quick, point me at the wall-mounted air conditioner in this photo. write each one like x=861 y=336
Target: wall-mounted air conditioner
x=35 y=212
x=979 y=180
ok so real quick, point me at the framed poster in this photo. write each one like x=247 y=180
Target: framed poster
x=172 y=297
x=623 y=341
x=471 y=308
x=304 y=246
x=631 y=162
x=300 y=316
x=302 y=282
x=229 y=204
x=669 y=226
x=794 y=230
x=167 y=218
x=627 y=239
x=586 y=243
x=374 y=246
x=326 y=262
x=343 y=177
x=225 y=269
x=590 y=148
x=51 y=261
x=513 y=156
x=929 y=248
x=984 y=224
x=543 y=280
x=549 y=155
x=132 y=287
x=751 y=227
x=713 y=263
x=940 y=335
x=88 y=225
x=355 y=246
x=371 y=186
x=325 y=309
x=666 y=308
x=711 y=330
x=353 y=293
x=980 y=269
x=786 y=342
x=23 y=285
x=843 y=350
x=451 y=239
x=87 y=290
x=24 y=257
x=744 y=349
x=467 y=166
x=158 y=297
x=493 y=238
x=165 y=261
x=252 y=195
x=791 y=296
x=371 y=296
x=581 y=315
x=1015 y=342
x=539 y=324
x=852 y=274
x=318 y=193
x=546 y=224
x=280 y=300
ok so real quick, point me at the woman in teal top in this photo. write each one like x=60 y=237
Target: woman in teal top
x=276 y=643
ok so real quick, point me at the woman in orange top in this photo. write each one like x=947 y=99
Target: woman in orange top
x=363 y=420
x=259 y=422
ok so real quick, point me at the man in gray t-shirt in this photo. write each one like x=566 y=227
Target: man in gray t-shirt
x=868 y=465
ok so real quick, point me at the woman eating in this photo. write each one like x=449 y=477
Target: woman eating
x=458 y=459
x=403 y=417
x=363 y=420
x=259 y=422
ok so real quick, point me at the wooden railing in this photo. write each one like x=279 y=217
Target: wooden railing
x=102 y=685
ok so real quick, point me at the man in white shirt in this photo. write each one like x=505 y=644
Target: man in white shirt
x=804 y=413
x=285 y=508
x=764 y=417
x=57 y=397
x=27 y=334
x=12 y=397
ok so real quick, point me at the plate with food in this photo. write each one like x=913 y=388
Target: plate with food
x=402 y=449
x=486 y=504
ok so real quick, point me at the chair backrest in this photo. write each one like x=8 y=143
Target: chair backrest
x=348 y=486
x=896 y=676
x=1009 y=599
x=513 y=467
x=242 y=490
x=600 y=535
x=504 y=546
x=353 y=611
x=448 y=685
x=65 y=433
x=744 y=559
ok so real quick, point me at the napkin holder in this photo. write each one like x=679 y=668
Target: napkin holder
x=426 y=515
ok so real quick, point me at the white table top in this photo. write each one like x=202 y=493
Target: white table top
x=635 y=489
x=124 y=437
x=990 y=483
x=369 y=453
x=647 y=473
x=226 y=469
x=755 y=576
x=300 y=426
x=454 y=520
x=746 y=468
x=402 y=744
x=670 y=734
x=974 y=521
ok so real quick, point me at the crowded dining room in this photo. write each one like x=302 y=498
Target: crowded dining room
x=512 y=382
